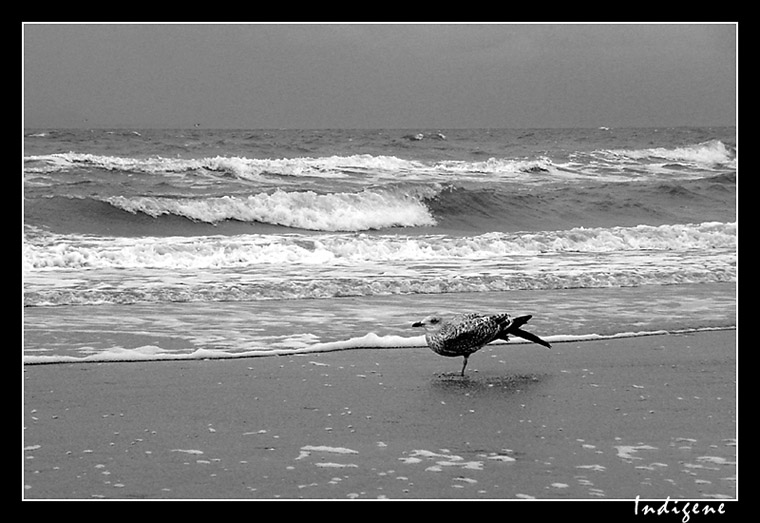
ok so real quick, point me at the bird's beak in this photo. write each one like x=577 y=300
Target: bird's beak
x=417 y=324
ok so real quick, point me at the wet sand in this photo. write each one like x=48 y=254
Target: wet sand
x=614 y=419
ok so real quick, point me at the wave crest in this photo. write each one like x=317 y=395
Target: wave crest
x=309 y=210
x=712 y=152
x=239 y=167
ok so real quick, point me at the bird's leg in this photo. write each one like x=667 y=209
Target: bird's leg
x=465 y=363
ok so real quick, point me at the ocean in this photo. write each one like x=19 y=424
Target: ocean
x=152 y=245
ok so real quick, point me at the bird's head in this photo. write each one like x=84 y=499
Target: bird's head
x=432 y=322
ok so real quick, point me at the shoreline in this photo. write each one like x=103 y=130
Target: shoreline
x=183 y=331
x=370 y=341
x=611 y=419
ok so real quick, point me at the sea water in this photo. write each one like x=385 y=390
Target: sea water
x=195 y=243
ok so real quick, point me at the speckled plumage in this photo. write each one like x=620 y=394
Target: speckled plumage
x=467 y=333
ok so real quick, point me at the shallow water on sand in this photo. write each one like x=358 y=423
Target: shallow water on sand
x=224 y=329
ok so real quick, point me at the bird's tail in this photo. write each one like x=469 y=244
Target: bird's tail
x=530 y=337
x=515 y=330
x=518 y=322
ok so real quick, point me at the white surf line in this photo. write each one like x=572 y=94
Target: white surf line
x=369 y=341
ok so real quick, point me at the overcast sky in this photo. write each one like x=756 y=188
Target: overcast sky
x=378 y=76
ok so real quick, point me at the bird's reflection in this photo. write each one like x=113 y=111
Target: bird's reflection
x=492 y=384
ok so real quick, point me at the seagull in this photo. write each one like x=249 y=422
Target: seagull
x=468 y=333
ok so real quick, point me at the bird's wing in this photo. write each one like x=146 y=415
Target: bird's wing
x=470 y=331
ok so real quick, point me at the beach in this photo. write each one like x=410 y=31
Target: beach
x=649 y=416
x=228 y=313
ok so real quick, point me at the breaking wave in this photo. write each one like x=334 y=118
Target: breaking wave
x=49 y=251
x=364 y=210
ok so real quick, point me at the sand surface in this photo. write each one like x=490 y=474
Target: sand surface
x=652 y=416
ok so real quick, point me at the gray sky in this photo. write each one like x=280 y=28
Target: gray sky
x=378 y=76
